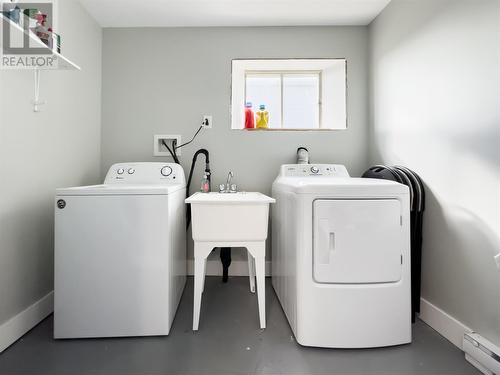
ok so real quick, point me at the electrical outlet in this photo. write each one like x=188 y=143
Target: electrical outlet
x=497 y=260
x=207 y=122
x=159 y=148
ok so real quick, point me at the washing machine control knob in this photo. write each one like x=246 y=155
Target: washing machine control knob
x=314 y=170
x=120 y=171
x=131 y=171
x=166 y=171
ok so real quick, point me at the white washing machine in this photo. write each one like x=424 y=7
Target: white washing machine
x=341 y=257
x=120 y=253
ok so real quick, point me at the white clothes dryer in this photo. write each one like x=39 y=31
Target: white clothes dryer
x=341 y=257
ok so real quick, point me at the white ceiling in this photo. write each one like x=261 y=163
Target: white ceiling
x=180 y=13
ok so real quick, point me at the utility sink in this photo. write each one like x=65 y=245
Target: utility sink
x=230 y=220
x=226 y=217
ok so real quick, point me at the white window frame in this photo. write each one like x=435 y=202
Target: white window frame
x=333 y=87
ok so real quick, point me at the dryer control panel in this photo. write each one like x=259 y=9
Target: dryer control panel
x=306 y=170
x=145 y=173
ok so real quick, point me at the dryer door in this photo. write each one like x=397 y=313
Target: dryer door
x=357 y=241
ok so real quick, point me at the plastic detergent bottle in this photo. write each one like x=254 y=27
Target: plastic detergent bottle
x=249 y=116
x=205 y=184
x=262 y=118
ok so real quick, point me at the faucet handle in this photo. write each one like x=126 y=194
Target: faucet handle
x=234 y=188
x=222 y=188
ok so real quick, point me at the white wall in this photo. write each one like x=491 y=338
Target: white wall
x=42 y=151
x=435 y=107
x=161 y=81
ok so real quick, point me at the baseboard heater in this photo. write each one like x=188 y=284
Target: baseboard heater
x=482 y=354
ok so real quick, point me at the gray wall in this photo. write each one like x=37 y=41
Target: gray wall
x=42 y=151
x=435 y=100
x=161 y=81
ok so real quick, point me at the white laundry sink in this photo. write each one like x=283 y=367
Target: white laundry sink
x=241 y=216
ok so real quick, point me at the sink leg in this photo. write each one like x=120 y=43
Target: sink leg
x=204 y=274
x=225 y=257
x=199 y=268
x=258 y=251
x=251 y=271
x=261 y=289
x=201 y=252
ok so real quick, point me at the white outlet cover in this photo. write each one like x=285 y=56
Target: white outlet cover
x=497 y=260
x=160 y=151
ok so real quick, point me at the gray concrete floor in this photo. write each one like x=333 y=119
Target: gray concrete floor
x=229 y=342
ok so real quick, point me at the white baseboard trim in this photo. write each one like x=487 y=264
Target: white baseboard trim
x=447 y=326
x=14 y=328
x=237 y=268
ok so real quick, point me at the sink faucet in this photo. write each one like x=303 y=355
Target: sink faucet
x=228 y=187
x=230 y=175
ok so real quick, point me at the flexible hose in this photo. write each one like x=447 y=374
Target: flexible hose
x=191 y=171
x=173 y=153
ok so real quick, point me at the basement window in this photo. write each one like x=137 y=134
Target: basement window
x=289 y=94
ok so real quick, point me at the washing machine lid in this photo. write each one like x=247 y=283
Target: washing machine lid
x=148 y=178
x=106 y=189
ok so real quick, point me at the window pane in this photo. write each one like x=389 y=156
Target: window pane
x=265 y=89
x=301 y=101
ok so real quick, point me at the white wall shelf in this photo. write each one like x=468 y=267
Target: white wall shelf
x=63 y=63
x=60 y=62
